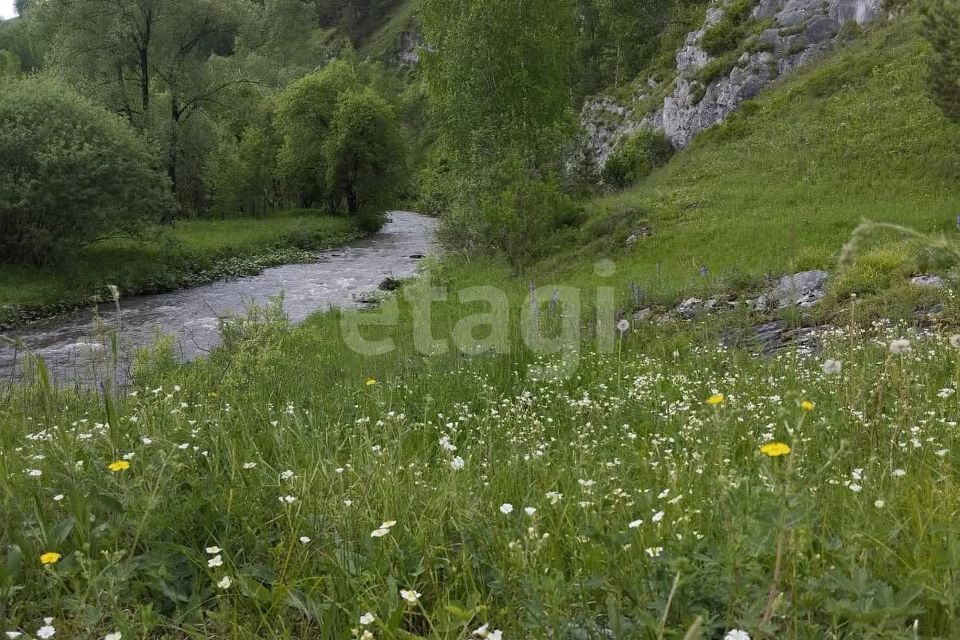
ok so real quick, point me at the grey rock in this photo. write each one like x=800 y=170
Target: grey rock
x=766 y=9
x=859 y=11
x=409 y=45
x=759 y=304
x=803 y=289
x=690 y=308
x=928 y=282
x=805 y=29
x=643 y=314
x=821 y=30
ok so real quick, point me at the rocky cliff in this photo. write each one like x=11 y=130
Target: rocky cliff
x=704 y=91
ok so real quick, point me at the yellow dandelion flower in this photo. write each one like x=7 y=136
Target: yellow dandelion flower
x=371 y=382
x=119 y=465
x=806 y=405
x=775 y=449
x=716 y=399
x=50 y=557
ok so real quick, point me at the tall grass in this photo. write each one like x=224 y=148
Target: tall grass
x=618 y=503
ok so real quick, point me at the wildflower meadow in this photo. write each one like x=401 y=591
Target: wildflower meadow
x=666 y=491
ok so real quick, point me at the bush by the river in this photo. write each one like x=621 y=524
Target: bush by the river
x=71 y=173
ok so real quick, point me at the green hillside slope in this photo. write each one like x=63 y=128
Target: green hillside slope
x=781 y=185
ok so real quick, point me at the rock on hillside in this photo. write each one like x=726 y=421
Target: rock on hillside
x=796 y=32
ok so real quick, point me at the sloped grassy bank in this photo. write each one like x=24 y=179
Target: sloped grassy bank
x=194 y=252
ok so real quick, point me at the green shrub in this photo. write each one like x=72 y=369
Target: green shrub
x=70 y=173
x=433 y=185
x=636 y=157
x=615 y=223
x=717 y=68
x=720 y=38
x=942 y=31
x=516 y=218
x=730 y=31
x=10 y=66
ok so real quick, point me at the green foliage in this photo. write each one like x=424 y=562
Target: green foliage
x=151 y=61
x=486 y=106
x=10 y=66
x=364 y=155
x=434 y=185
x=717 y=68
x=241 y=173
x=304 y=111
x=727 y=35
x=502 y=128
x=71 y=173
x=942 y=30
x=619 y=39
x=515 y=217
x=15 y=37
x=636 y=157
x=721 y=37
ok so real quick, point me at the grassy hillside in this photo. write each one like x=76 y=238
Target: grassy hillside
x=290 y=486
x=384 y=41
x=782 y=184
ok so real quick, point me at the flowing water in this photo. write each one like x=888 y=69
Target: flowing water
x=75 y=350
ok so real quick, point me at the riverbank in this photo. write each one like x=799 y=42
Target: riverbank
x=192 y=253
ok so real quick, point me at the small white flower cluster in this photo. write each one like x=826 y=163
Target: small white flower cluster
x=383 y=529
x=484 y=632
x=215 y=562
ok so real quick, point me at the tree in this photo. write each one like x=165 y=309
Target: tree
x=942 y=30
x=364 y=154
x=71 y=173
x=146 y=59
x=498 y=73
x=304 y=112
x=10 y=66
x=241 y=172
x=16 y=38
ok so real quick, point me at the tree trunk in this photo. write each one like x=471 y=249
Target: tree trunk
x=143 y=61
x=352 y=202
x=172 y=156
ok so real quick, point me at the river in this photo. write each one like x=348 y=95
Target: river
x=75 y=351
